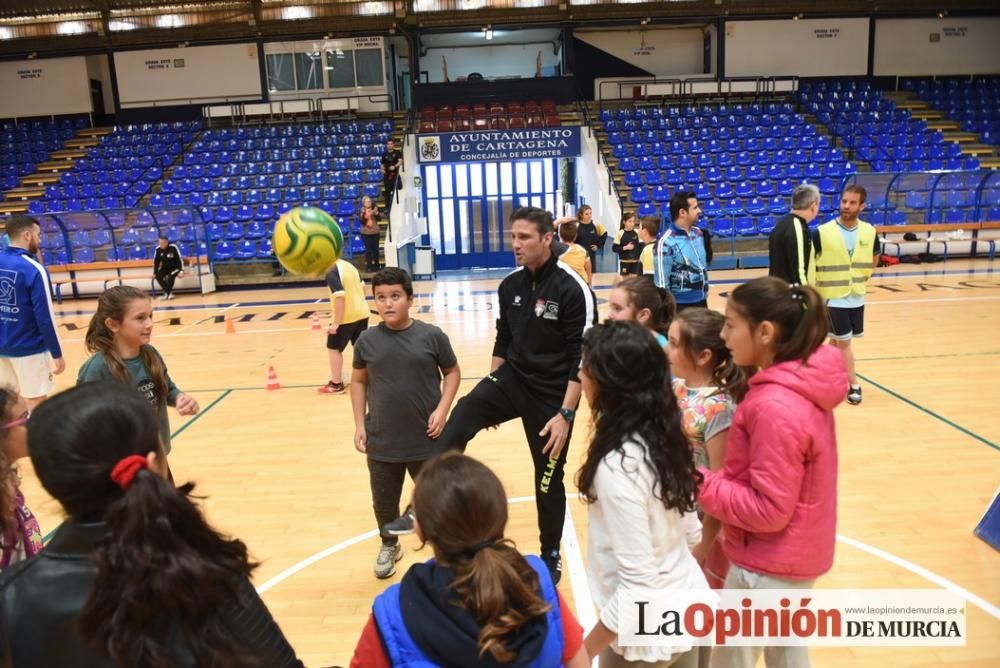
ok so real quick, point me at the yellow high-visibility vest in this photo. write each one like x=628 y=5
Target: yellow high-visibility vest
x=837 y=274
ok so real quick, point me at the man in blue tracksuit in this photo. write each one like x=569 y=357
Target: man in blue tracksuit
x=683 y=253
x=29 y=347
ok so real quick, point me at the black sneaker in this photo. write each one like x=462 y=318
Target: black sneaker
x=854 y=395
x=554 y=564
x=401 y=526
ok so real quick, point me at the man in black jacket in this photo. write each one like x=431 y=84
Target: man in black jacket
x=790 y=246
x=545 y=308
x=167 y=266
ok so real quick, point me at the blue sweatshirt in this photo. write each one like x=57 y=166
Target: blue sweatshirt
x=27 y=324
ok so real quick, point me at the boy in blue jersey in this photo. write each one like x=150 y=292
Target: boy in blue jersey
x=29 y=347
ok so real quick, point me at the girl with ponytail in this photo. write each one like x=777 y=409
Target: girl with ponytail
x=707 y=384
x=134 y=576
x=118 y=336
x=479 y=602
x=640 y=481
x=636 y=299
x=776 y=494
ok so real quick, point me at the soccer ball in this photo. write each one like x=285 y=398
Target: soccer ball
x=307 y=241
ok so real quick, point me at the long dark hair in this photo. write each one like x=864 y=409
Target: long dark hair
x=113 y=304
x=701 y=329
x=461 y=506
x=161 y=569
x=634 y=401
x=8 y=474
x=797 y=312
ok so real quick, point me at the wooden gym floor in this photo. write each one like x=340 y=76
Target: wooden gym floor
x=919 y=459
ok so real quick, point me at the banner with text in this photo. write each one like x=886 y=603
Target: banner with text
x=493 y=145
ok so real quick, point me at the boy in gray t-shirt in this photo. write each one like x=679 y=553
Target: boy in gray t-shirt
x=398 y=370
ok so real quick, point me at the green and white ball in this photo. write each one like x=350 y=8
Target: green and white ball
x=307 y=241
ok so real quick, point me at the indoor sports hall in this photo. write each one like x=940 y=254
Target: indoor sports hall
x=128 y=126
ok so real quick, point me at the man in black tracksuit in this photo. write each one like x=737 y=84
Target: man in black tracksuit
x=544 y=311
x=789 y=245
x=167 y=266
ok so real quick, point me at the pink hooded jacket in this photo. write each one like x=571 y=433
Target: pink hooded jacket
x=776 y=494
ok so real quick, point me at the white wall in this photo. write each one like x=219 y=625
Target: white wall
x=98 y=68
x=157 y=77
x=592 y=189
x=662 y=52
x=963 y=46
x=43 y=87
x=806 y=48
x=502 y=60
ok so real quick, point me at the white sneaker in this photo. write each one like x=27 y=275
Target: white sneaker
x=162 y=297
x=385 y=562
x=170 y=296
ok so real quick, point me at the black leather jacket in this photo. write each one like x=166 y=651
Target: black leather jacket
x=41 y=598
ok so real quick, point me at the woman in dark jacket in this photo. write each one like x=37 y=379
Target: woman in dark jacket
x=135 y=576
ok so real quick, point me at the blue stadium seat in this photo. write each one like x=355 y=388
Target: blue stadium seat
x=264 y=249
x=136 y=252
x=83 y=254
x=222 y=251
x=765 y=225
x=722 y=227
x=246 y=250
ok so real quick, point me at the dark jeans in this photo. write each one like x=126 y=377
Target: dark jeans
x=371 y=250
x=500 y=397
x=386 y=479
x=389 y=184
x=166 y=281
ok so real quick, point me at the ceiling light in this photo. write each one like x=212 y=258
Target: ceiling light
x=72 y=28
x=296 y=13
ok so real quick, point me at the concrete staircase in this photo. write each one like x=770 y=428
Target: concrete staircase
x=971 y=143
x=32 y=187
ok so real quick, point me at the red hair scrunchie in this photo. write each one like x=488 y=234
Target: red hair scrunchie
x=125 y=470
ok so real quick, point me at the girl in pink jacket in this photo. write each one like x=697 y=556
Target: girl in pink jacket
x=776 y=494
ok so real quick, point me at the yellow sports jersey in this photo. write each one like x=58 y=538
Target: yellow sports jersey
x=646 y=258
x=345 y=281
x=576 y=257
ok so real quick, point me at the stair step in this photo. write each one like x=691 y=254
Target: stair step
x=81 y=143
x=40 y=179
x=94 y=132
x=961 y=137
x=13 y=207
x=914 y=105
x=989 y=163
x=68 y=154
x=25 y=192
x=928 y=115
x=979 y=149
x=55 y=166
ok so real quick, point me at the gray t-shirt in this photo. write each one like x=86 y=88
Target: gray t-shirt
x=404 y=387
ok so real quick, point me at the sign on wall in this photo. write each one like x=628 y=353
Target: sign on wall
x=490 y=145
x=44 y=86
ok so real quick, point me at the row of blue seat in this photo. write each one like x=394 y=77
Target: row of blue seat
x=727 y=189
x=693 y=111
x=301 y=129
x=223 y=183
x=302 y=141
x=759 y=131
x=271 y=195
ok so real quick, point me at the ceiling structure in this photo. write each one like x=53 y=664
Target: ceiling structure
x=77 y=26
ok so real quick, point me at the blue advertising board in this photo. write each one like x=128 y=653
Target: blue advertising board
x=495 y=145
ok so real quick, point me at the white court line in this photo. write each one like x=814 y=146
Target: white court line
x=577 y=573
x=581 y=592
x=925 y=301
x=944 y=583
x=252 y=331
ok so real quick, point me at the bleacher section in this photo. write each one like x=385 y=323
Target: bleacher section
x=974 y=104
x=24 y=146
x=120 y=170
x=741 y=160
x=219 y=199
x=492 y=116
x=871 y=125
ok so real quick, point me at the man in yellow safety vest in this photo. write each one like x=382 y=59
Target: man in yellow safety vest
x=846 y=253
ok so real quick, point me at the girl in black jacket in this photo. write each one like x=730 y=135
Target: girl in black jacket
x=135 y=576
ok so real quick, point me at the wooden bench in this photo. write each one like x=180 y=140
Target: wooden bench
x=107 y=273
x=929 y=240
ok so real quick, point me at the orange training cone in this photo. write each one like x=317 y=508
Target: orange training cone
x=316 y=324
x=272 y=379
x=230 y=327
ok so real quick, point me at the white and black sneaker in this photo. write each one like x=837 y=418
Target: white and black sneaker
x=401 y=526
x=854 y=395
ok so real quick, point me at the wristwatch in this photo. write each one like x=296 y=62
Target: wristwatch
x=567 y=413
